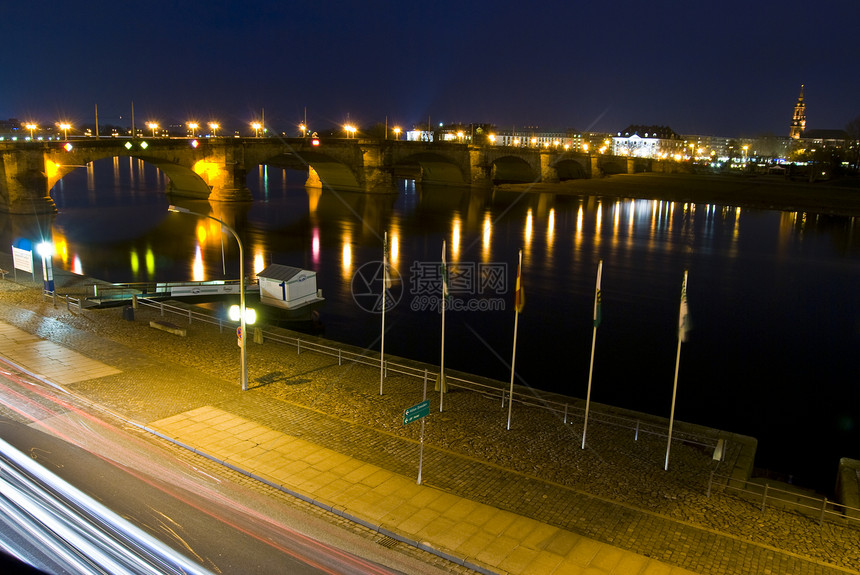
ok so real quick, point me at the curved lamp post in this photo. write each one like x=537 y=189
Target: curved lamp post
x=243 y=336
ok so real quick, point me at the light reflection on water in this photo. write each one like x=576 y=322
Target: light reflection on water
x=773 y=296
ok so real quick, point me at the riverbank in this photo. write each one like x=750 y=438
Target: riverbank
x=539 y=461
x=839 y=197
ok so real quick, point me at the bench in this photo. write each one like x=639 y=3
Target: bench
x=168 y=327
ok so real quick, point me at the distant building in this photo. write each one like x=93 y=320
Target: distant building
x=527 y=137
x=597 y=142
x=648 y=142
x=826 y=138
x=798 y=120
x=707 y=147
x=464 y=133
x=534 y=137
x=11 y=128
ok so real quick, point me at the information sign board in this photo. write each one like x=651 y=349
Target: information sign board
x=417 y=411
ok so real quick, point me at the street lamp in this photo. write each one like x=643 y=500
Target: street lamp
x=243 y=313
x=192 y=126
x=152 y=126
x=396 y=132
x=256 y=126
x=302 y=130
x=214 y=127
x=31 y=127
x=65 y=128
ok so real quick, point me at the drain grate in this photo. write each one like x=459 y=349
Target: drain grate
x=387 y=542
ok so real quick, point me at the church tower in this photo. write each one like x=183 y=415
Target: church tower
x=798 y=122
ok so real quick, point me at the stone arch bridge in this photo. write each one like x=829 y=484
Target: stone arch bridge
x=216 y=168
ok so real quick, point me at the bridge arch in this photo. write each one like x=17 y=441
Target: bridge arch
x=512 y=169
x=323 y=169
x=432 y=168
x=571 y=169
x=195 y=180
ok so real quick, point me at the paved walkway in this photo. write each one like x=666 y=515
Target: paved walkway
x=475 y=513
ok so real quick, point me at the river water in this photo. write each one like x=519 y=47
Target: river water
x=773 y=296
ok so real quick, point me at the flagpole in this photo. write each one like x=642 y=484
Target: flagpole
x=597 y=312
x=682 y=327
x=517 y=305
x=442 y=359
x=384 y=285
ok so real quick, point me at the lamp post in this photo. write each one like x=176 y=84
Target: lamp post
x=192 y=127
x=243 y=336
x=65 y=128
x=214 y=127
x=31 y=127
x=256 y=126
x=152 y=126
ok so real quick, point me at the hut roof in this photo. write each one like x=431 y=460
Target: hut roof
x=280 y=272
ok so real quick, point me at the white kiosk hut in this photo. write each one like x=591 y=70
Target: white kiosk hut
x=289 y=288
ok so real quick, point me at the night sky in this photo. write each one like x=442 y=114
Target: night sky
x=715 y=68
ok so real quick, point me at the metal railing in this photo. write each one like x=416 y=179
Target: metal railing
x=821 y=508
x=70 y=301
x=189 y=314
x=127 y=291
x=564 y=410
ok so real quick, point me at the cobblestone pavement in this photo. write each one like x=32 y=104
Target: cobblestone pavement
x=614 y=492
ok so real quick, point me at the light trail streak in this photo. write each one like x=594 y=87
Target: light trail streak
x=137 y=454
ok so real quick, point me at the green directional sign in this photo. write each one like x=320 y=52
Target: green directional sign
x=417 y=411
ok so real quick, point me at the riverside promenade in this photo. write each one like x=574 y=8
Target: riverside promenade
x=525 y=500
